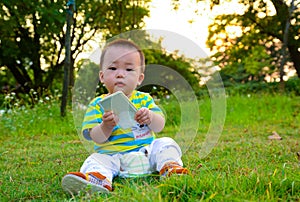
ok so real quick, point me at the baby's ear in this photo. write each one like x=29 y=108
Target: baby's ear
x=141 y=78
x=101 y=76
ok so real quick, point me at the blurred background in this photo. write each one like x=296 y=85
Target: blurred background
x=254 y=45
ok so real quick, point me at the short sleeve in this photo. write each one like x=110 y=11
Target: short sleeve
x=92 y=117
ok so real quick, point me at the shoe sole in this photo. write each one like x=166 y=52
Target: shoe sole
x=178 y=172
x=73 y=184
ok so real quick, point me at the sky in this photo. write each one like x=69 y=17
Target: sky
x=190 y=20
x=162 y=16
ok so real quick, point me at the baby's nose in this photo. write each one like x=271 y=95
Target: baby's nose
x=120 y=73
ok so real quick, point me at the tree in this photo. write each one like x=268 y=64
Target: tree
x=67 y=66
x=33 y=35
x=260 y=40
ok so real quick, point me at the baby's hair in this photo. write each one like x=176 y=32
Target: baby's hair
x=123 y=43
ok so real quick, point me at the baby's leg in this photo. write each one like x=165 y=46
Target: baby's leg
x=134 y=164
x=106 y=165
x=162 y=151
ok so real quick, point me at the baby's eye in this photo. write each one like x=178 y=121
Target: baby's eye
x=129 y=69
x=112 y=68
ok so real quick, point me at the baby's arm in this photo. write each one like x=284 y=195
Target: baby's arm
x=102 y=132
x=155 y=122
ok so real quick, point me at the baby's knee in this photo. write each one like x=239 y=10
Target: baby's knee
x=166 y=141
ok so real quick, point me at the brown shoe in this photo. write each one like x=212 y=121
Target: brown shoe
x=172 y=168
x=74 y=182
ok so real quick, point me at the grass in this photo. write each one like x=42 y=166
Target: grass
x=38 y=148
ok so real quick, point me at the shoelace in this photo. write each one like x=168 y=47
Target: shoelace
x=96 y=180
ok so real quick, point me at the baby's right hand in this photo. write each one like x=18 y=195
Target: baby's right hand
x=110 y=119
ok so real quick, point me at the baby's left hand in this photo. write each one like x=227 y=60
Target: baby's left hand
x=143 y=116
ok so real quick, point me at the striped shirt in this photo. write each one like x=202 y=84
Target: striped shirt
x=121 y=140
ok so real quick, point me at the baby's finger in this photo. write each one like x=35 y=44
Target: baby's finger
x=107 y=114
x=109 y=117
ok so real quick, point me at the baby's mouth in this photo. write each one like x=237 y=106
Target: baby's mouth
x=119 y=84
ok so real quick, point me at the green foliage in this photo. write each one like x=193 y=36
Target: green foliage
x=33 y=36
x=33 y=50
x=256 y=60
x=29 y=32
x=292 y=87
x=255 y=50
x=180 y=64
x=87 y=80
x=39 y=148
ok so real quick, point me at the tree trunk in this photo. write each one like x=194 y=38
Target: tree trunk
x=23 y=80
x=66 y=80
x=284 y=53
x=295 y=57
x=294 y=49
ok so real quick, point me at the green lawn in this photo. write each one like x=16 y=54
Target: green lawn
x=38 y=147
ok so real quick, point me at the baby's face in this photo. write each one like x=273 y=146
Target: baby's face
x=121 y=70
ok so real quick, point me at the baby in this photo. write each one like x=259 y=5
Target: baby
x=123 y=151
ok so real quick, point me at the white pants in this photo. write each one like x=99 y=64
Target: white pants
x=149 y=159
